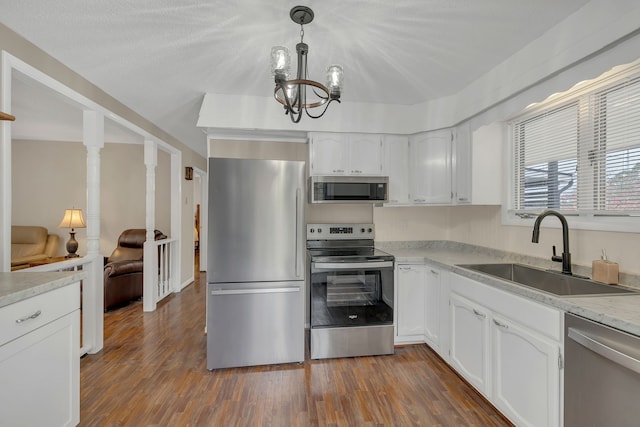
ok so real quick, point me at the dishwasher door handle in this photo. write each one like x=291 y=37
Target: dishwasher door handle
x=253 y=291
x=604 y=350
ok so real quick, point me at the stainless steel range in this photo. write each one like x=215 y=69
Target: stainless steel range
x=351 y=292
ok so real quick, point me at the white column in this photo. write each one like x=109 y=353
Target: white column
x=93 y=287
x=176 y=221
x=150 y=257
x=5 y=167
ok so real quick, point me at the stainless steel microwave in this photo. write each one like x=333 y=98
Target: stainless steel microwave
x=348 y=189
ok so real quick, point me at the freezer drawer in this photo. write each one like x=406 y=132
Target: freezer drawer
x=252 y=324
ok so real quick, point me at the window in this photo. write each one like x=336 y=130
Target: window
x=580 y=154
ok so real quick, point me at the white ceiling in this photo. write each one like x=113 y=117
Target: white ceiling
x=160 y=56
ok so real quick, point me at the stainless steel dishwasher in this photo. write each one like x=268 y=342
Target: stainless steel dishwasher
x=602 y=375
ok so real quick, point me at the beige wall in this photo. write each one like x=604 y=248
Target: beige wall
x=314 y=213
x=481 y=225
x=49 y=177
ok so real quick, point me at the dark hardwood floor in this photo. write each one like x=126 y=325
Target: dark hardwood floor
x=152 y=372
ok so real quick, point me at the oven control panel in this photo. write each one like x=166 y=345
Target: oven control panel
x=340 y=231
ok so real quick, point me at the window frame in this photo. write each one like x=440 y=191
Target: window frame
x=580 y=93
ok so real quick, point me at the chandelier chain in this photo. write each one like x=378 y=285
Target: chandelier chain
x=301 y=33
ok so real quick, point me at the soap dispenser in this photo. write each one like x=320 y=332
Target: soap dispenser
x=605 y=271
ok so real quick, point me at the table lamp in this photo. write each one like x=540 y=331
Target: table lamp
x=72 y=219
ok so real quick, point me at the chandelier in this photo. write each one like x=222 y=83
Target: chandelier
x=292 y=94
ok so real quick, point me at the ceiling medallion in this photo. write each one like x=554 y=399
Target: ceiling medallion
x=292 y=94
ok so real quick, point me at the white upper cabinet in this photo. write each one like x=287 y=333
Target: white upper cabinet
x=486 y=151
x=328 y=154
x=345 y=154
x=395 y=157
x=462 y=162
x=430 y=167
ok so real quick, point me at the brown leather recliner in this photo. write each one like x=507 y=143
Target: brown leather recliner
x=123 y=269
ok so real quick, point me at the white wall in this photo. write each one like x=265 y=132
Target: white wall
x=482 y=225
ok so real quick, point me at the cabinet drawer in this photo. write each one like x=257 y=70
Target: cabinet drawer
x=539 y=317
x=29 y=314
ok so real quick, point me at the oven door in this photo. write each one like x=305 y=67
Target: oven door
x=351 y=294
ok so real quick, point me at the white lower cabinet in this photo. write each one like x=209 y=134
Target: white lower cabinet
x=526 y=374
x=509 y=348
x=410 y=303
x=40 y=360
x=469 y=351
x=432 y=303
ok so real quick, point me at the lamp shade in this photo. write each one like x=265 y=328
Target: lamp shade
x=72 y=219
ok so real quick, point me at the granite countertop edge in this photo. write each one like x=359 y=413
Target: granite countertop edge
x=17 y=286
x=619 y=311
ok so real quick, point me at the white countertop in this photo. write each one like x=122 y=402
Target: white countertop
x=619 y=311
x=17 y=286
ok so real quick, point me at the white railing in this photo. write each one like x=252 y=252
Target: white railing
x=166 y=282
x=77 y=264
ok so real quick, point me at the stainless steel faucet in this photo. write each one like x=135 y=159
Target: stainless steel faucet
x=565 y=259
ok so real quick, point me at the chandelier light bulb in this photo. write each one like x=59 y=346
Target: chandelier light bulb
x=280 y=61
x=334 y=79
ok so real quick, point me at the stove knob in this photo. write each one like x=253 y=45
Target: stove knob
x=312 y=230
x=370 y=230
x=319 y=230
x=362 y=230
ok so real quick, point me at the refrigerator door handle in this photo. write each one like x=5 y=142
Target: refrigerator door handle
x=254 y=291
x=296 y=254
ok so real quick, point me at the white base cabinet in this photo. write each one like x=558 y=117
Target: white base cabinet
x=409 y=303
x=421 y=296
x=526 y=374
x=469 y=351
x=40 y=360
x=509 y=348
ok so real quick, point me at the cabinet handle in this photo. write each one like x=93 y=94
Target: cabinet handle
x=420 y=200
x=463 y=199
x=33 y=316
x=499 y=324
x=479 y=314
x=435 y=272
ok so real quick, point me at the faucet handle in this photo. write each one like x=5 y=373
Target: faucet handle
x=555 y=257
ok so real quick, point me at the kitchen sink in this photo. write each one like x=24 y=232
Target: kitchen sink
x=548 y=281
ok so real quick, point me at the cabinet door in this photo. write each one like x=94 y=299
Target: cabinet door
x=395 y=162
x=410 y=303
x=462 y=165
x=470 y=341
x=432 y=306
x=365 y=155
x=526 y=375
x=431 y=168
x=328 y=154
x=40 y=375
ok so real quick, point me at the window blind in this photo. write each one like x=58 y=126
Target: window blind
x=581 y=156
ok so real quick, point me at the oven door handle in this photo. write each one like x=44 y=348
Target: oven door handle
x=351 y=265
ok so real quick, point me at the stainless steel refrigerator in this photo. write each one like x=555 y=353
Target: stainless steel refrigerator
x=255 y=270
